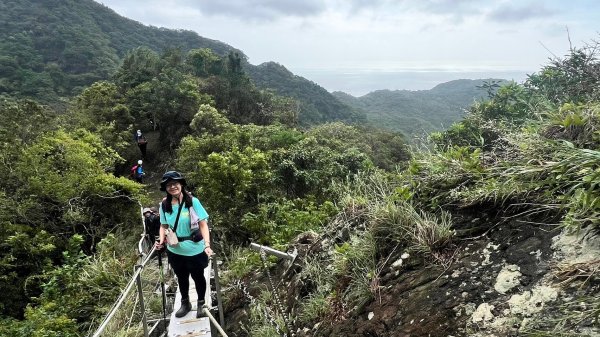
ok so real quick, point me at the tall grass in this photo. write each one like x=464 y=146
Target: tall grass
x=377 y=221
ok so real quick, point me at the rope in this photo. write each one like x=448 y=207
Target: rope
x=278 y=305
x=271 y=319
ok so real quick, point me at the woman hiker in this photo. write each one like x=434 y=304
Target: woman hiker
x=190 y=255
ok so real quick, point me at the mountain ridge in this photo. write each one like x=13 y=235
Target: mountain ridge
x=52 y=49
x=276 y=76
x=414 y=112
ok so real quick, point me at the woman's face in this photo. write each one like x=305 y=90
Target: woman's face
x=173 y=187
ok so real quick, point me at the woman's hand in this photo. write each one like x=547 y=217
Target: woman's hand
x=208 y=251
x=159 y=245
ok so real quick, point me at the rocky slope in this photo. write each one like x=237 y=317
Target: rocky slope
x=506 y=277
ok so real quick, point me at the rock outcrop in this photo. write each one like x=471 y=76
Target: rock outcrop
x=512 y=278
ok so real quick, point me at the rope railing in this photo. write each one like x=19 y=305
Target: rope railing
x=136 y=279
x=263 y=251
x=214 y=321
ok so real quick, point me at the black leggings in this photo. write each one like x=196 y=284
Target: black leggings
x=184 y=266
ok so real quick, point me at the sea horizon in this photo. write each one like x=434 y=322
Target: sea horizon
x=359 y=82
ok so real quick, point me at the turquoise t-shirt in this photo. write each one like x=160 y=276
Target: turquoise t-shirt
x=187 y=247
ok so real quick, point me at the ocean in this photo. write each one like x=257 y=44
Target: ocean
x=360 y=82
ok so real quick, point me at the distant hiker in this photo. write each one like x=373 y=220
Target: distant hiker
x=137 y=172
x=183 y=214
x=151 y=223
x=141 y=141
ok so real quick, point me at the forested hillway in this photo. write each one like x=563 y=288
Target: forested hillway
x=68 y=237
x=52 y=50
x=465 y=238
x=491 y=229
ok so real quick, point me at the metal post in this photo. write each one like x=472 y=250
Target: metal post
x=272 y=251
x=162 y=289
x=218 y=290
x=138 y=280
x=116 y=306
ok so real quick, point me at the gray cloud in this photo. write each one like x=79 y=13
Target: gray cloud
x=356 y=6
x=251 y=10
x=512 y=14
x=272 y=10
x=259 y=10
x=450 y=7
x=455 y=10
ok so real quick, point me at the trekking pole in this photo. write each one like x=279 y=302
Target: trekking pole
x=162 y=288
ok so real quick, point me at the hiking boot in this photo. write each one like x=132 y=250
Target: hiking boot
x=199 y=310
x=186 y=306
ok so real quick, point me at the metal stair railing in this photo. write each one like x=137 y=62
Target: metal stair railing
x=135 y=279
x=214 y=321
x=147 y=251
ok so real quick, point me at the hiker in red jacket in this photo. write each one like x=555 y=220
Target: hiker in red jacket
x=137 y=172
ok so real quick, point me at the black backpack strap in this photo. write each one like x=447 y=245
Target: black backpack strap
x=177 y=218
x=162 y=206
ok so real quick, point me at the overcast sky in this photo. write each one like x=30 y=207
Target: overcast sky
x=382 y=35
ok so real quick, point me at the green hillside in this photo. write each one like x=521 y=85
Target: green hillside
x=53 y=48
x=50 y=50
x=318 y=104
x=378 y=228
x=416 y=112
x=466 y=238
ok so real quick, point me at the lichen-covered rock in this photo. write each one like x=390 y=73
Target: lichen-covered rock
x=502 y=284
x=507 y=279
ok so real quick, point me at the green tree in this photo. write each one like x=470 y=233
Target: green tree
x=574 y=78
x=99 y=108
x=204 y=62
x=209 y=121
x=230 y=184
x=26 y=253
x=139 y=65
x=57 y=185
x=309 y=167
x=177 y=101
x=385 y=149
x=69 y=176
